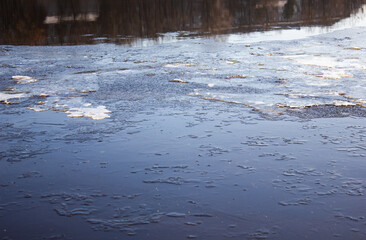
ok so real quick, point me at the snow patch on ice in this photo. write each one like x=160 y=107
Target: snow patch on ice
x=97 y=113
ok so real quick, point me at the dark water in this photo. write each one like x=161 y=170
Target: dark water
x=54 y=22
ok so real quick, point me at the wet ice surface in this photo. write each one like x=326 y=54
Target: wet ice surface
x=112 y=142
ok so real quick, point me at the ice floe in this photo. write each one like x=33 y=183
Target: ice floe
x=6 y=96
x=23 y=79
x=343 y=104
x=96 y=113
x=335 y=74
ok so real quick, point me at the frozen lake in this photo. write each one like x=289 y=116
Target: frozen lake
x=238 y=120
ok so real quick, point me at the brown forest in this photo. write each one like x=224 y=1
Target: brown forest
x=54 y=22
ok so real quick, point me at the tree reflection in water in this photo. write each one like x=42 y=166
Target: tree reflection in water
x=54 y=22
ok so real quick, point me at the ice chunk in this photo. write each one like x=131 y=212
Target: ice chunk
x=6 y=96
x=97 y=113
x=319 y=61
x=24 y=79
x=343 y=104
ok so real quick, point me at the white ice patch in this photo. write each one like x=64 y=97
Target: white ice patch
x=330 y=62
x=124 y=71
x=230 y=62
x=343 y=104
x=360 y=102
x=318 y=83
x=97 y=113
x=175 y=65
x=335 y=74
x=171 y=65
x=24 y=79
x=37 y=109
x=6 y=96
x=259 y=103
x=319 y=61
